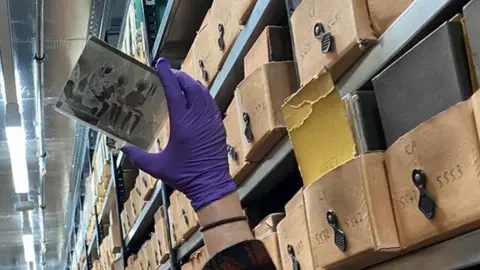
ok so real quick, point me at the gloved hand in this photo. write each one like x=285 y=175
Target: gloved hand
x=195 y=159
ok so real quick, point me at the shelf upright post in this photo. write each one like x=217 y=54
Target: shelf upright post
x=166 y=203
x=119 y=186
x=88 y=261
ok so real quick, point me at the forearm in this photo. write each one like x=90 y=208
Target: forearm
x=227 y=235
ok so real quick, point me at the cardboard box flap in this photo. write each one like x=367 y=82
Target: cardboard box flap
x=268 y=224
x=319 y=128
x=445 y=149
x=298 y=107
x=357 y=193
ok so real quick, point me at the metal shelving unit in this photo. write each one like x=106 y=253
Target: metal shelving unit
x=173 y=41
x=180 y=23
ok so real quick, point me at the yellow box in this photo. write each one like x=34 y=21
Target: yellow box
x=319 y=128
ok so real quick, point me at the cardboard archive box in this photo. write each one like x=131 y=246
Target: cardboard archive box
x=183 y=219
x=188 y=65
x=259 y=100
x=114 y=232
x=327 y=131
x=433 y=173
x=145 y=184
x=268 y=224
x=273 y=45
x=438 y=77
x=125 y=222
x=137 y=202
x=197 y=260
x=216 y=36
x=130 y=214
x=238 y=166
x=162 y=137
x=330 y=35
x=161 y=248
x=472 y=21
x=384 y=12
x=350 y=217
x=266 y=231
x=292 y=234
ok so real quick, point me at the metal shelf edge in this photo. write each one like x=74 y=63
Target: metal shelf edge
x=163 y=27
x=132 y=234
x=457 y=253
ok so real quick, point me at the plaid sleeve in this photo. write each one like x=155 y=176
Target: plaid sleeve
x=245 y=255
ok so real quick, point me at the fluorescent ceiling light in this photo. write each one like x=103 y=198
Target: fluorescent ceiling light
x=28 y=248
x=17 y=149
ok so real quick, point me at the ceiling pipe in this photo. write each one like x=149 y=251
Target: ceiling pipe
x=40 y=58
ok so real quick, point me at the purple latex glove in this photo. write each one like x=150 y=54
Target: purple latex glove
x=195 y=159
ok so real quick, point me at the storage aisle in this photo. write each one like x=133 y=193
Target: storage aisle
x=361 y=148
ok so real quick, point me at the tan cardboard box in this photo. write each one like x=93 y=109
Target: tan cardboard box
x=238 y=166
x=161 y=247
x=150 y=254
x=145 y=184
x=114 y=232
x=188 y=65
x=130 y=213
x=318 y=125
x=131 y=260
x=137 y=202
x=162 y=137
x=268 y=225
x=186 y=220
x=197 y=260
x=384 y=12
x=444 y=153
x=273 y=45
x=314 y=21
x=143 y=257
x=172 y=210
x=293 y=239
x=260 y=97
x=216 y=36
x=97 y=265
x=270 y=240
x=356 y=196
x=125 y=222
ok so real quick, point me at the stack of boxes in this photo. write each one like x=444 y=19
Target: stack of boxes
x=361 y=205
x=197 y=260
x=154 y=251
x=182 y=217
x=215 y=38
